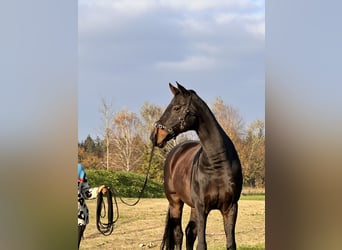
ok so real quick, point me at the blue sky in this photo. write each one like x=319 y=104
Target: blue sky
x=130 y=50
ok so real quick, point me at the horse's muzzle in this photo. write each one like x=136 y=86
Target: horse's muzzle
x=159 y=137
x=153 y=137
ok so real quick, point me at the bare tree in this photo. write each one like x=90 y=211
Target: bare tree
x=150 y=113
x=107 y=118
x=230 y=120
x=128 y=147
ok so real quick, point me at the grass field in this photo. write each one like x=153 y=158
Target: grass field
x=142 y=226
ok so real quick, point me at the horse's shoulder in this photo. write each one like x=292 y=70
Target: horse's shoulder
x=189 y=144
x=186 y=148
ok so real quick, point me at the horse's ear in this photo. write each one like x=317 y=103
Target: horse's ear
x=173 y=89
x=182 y=89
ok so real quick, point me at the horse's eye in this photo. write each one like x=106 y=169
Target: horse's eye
x=176 y=108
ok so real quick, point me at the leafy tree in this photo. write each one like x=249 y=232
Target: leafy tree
x=253 y=156
x=250 y=145
x=89 y=145
x=157 y=164
x=90 y=152
x=99 y=148
x=81 y=152
x=230 y=119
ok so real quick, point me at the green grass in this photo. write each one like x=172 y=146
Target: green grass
x=126 y=184
x=254 y=197
x=257 y=247
x=130 y=184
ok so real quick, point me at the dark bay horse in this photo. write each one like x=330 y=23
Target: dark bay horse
x=203 y=174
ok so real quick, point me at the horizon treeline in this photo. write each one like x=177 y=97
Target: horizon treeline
x=124 y=143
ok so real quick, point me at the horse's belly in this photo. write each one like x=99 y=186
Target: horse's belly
x=184 y=195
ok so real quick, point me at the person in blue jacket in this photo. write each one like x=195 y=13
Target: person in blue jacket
x=84 y=193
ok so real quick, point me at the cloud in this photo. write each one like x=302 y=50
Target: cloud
x=191 y=63
x=102 y=14
x=175 y=35
x=154 y=41
x=126 y=7
x=96 y=16
x=204 y=5
x=192 y=5
x=164 y=34
x=253 y=23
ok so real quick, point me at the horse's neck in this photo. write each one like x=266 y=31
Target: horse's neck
x=212 y=139
x=212 y=136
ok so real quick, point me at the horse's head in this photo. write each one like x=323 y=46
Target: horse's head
x=177 y=118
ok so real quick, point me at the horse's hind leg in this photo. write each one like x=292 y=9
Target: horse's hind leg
x=173 y=235
x=191 y=231
x=229 y=219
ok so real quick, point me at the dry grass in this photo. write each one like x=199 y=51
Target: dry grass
x=252 y=191
x=144 y=224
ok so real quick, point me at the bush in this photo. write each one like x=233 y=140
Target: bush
x=125 y=184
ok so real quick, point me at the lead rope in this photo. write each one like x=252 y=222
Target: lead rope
x=107 y=228
x=145 y=183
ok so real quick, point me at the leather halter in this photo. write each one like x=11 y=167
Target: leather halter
x=181 y=119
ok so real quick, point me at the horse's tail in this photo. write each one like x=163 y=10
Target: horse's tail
x=168 y=241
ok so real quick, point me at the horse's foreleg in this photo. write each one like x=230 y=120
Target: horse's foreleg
x=191 y=231
x=229 y=219
x=201 y=222
x=176 y=218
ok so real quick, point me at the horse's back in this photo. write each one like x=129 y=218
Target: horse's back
x=177 y=171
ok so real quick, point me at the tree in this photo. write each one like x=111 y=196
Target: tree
x=250 y=144
x=90 y=152
x=127 y=144
x=81 y=152
x=253 y=156
x=89 y=145
x=107 y=117
x=231 y=121
x=150 y=113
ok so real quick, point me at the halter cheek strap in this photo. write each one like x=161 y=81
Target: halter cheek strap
x=163 y=127
x=181 y=120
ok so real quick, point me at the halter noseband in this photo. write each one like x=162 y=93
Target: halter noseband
x=157 y=124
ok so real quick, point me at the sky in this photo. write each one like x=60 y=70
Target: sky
x=129 y=53
x=130 y=50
